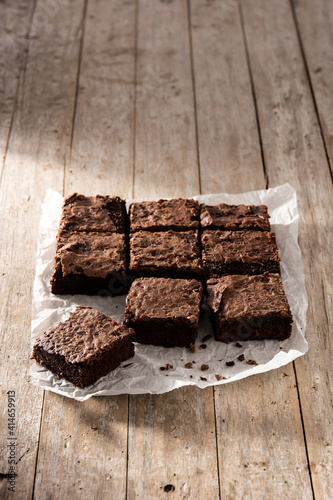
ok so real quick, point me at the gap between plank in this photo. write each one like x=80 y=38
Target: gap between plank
x=38 y=443
x=77 y=84
x=127 y=446
x=189 y=28
x=267 y=184
x=307 y=72
x=21 y=71
x=253 y=92
x=189 y=24
x=217 y=445
x=136 y=34
x=76 y=95
x=304 y=435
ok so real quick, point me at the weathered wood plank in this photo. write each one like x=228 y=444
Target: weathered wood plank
x=257 y=417
x=102 y=153
x=15 y=20
x=83 y=446
x=172 y=450
x=315 y=23
x=294 y=152
x=229 y=147
x=34 y=161
x=165 y=148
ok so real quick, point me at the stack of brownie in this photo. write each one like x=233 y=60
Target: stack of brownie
x=91 y=246
x=241 y=265
x=174 y=247
x=163 y=304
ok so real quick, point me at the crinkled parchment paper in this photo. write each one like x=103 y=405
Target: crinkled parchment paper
x=143 y=373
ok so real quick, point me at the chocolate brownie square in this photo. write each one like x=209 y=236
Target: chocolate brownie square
x=239 y=252
x=165 y=254
x=90 y=263
x=85 y=347
x=234 y=217
x=93 y=213
x=249 y=308
x=164 y=215
x=164 y=311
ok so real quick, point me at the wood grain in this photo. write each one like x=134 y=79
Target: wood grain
x=229 y=148
x=86 y=443
x=165 y=146
x=315 y=23
x=294 y=152
x=258 y=417
x=171 y=449
x=15 y=18
x=101 y=160
x=34 y=161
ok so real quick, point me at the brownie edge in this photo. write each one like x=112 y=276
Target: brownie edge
x=249 y=307
x=234 y=217
x=93 y=213
x=163 y=311
x=164 y=215
x=85 y=347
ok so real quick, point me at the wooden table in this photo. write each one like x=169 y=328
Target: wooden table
x=167 y=98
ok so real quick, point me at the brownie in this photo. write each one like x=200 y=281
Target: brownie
x=167 y=254
x=85 y=347
x=93 y=213
x=249 y=307
x=164 y=311
x=90 y=263
x=239 y=252
x=234 y=217
x=164 y=215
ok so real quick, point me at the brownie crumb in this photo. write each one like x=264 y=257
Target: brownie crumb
x=188 y=365
x=224 y=378
x=169 y=487
x=218 y=377
x=192 y=348
x=203 y=378
x=168 y=366
x=162 y=368
x=238 y=344
x=252 y=362
x=230 y=363
x=206 y=338
x=241 y=357
x=203 y=368
x=203 y=346
x=194 y=362
x=191 y=376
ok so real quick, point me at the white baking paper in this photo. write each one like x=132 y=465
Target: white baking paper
x=143 y=373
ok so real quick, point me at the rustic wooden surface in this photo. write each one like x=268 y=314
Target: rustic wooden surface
x=168 y=98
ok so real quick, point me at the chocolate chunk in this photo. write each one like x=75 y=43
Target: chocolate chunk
x=230 y=363
x=252 y=362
